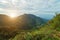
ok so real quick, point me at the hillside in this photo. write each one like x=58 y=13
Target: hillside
x=11 y=27
x=4 y=20
x=29 y=21
x=49 y=31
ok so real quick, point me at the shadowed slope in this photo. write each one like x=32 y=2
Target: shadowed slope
x=29 y=21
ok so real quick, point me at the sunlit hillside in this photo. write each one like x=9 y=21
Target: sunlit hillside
x=48 y=31
x=29 y=27
x=10 y=27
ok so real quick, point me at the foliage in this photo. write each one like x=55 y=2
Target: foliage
x=48 y=31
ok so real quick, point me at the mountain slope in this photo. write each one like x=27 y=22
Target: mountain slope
x=29 y=21
x=10 y=27
x=4 y=20
x=26 y=21
x=49 y=31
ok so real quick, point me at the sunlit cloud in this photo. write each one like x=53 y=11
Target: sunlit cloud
x=31 y=6
x=4 y=1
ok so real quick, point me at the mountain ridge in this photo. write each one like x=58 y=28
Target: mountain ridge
x=27 y=19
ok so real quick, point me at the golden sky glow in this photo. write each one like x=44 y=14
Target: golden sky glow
x=12 y=15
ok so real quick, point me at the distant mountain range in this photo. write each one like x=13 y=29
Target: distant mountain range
x=26 y=21
x=9 y=27
x=47 y=16
x=29 y=27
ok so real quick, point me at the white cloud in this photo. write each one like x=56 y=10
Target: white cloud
x=4 y=1
x=30 y=5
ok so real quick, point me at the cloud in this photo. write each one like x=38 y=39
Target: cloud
x=4 y=1
x=31 y=6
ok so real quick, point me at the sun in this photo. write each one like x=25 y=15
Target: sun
x=12 y=15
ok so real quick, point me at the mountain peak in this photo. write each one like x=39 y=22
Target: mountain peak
x=26 y=21
x=29 y=21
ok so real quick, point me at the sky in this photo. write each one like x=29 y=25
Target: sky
x=42 y=8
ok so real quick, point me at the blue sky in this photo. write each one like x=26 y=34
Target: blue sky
x=42 y=8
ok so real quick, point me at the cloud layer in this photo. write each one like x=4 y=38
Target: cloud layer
x=30 y=6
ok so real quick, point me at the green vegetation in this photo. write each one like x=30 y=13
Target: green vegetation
x=39 y=30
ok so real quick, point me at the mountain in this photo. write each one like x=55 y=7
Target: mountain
x=23 y=22
x=6 y=29
x=4 y=20
x=49 y=31
x=29 y=21
x=10 y=27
